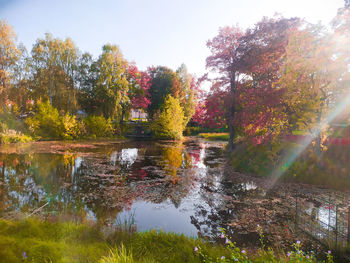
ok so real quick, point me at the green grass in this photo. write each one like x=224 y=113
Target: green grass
x=33 y=240
x=193 y=131
x=223 y=136
x=44 y=241
x=297 y=132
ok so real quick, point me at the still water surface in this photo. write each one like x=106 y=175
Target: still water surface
x=152 y=185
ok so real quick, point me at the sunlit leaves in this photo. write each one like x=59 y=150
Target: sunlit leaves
x=9 y=53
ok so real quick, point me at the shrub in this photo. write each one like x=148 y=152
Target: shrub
x=98 y=126
x=12 y=136
x=9 y=121
x=47 y=122
x=169 y=121
x=72 y=129
x=11 y=130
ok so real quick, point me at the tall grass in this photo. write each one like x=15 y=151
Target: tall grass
x=33 y=240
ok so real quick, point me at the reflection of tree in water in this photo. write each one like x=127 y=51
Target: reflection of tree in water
x=28 y=180
x=221 y=200
x=103 y=184
x=213 y=157
x=108 y=187
x=109 y=180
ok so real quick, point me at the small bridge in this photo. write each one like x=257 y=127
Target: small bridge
x=137 y=130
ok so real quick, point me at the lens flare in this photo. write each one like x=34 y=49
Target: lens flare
x=293 y=154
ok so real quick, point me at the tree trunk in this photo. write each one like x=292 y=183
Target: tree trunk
x=3 y=96
x=318 y=139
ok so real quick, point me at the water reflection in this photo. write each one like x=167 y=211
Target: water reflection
x=161 y=182
x=174 y=187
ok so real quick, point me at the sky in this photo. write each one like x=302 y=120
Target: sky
x=151 y=32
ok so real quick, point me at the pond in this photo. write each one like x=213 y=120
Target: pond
x=150 y=185
x=185 y=188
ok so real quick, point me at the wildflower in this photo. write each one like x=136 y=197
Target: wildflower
x=24 y=256
x=195 y=249
x=223 y=257
x=298 y=242
x=236 y=259
x=227 y=241
x=329 y=252
x=288 y=254
x=307 y=256
x=222 y=236
x=258 y=225
x=243 y=251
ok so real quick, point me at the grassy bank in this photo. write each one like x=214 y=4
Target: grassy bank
x=222 y=136
x=33 y=240
x=13 y=130
x=330 y=170
x=39 y=241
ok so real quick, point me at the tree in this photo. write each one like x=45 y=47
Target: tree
x=20 y=91
x=87 y=79
x=263 y=49
x=112 y=85
x=225 y=61
x=189 y=92
x=140 y=83
x=212 y=113
x=164 y=82
x=54 y=69
x=310 y=79
x=9 y=54
x=168 y=122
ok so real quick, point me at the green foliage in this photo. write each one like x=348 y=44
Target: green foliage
x=180 y=85
x=258 y=159
x=10 y=121
x=164 y=82
x=169 y=120
x=72 y=129
x=12 y=130
x=33 y=240
x=53 y=65
x=215 y=136
x=120 y=255
x=44 y=241
x=98 y=126
x=112 y=86
x=49 y=242
x=12 y=136
x=9 y=56
x=264 y=160
x=188 y=94
x=46 y=123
